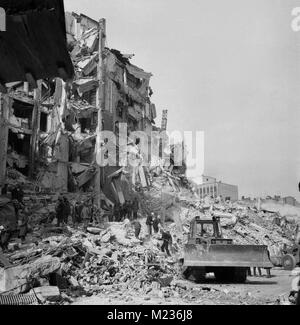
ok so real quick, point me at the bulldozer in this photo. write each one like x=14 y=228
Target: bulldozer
x=208 y=252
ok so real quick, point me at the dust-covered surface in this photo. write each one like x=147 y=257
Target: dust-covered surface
x=105 y=263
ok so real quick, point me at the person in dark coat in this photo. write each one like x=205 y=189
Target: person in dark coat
x=149 y=223
x=4 y=190
x=167 y=241
x=122 y=211
x=17 y=193
x=156 y=223
x=86 y=214
x=60 y=209
x=129 y=209
x=5 y=236
x=78 y=209
x=116 y=212
x=10 y=222
x=135 y=208
x=67 y=210
x=126 y=210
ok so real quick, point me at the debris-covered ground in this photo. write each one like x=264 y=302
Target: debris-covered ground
x=105 y=262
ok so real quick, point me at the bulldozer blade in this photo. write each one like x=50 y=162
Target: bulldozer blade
x=226 y=256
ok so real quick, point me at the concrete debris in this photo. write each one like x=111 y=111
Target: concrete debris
x=15 y=278
x=106 y=257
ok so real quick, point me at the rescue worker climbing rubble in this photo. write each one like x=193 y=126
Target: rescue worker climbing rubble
x=149 y=223
x=167 y=241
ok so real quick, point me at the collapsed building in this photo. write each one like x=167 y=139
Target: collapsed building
x=31 y=54
x=52 y=130
x=49 y=132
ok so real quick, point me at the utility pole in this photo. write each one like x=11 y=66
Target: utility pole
x=101 y=106
x=4 y=117
x=36 y=117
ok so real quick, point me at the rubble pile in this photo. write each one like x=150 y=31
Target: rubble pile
x=245 y=225
x=88 y=261
x=65 y=263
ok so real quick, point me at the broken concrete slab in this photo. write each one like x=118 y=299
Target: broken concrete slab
x=16 y=278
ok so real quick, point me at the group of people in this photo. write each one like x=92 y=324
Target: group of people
x=79 y=211
x=154 y=221
x=84 y=212
x=128 y=210
x=18 y=228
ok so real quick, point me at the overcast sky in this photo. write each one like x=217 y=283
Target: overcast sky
x=228 y=68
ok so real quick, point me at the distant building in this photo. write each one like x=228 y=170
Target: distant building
x=208 y=179
x=289 y=200
x=210 y=187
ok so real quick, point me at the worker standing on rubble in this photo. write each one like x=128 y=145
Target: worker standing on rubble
x=122 y=212
x=85 y=215
x=130 y=210
x=18 y=207
x=4 y=190
x=167 y=238
x=116 y=212
x=59 y=209
x=73 y=213
x=135 y=208
x=137 y=228
x=78 y=209
x=5 y=235
x=67 y=210
x=149 y=223
x=17 y=193
x=156 y=223
x=126 y=210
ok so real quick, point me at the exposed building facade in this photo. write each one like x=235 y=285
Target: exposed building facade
x=51 y=131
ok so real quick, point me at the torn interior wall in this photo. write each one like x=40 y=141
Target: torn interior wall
x=68 y=117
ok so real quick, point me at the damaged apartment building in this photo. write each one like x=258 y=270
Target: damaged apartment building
x=52 y=130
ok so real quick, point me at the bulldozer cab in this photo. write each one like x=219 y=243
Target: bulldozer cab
x=206 y=231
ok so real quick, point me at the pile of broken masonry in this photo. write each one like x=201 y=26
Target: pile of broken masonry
x=60 y=265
